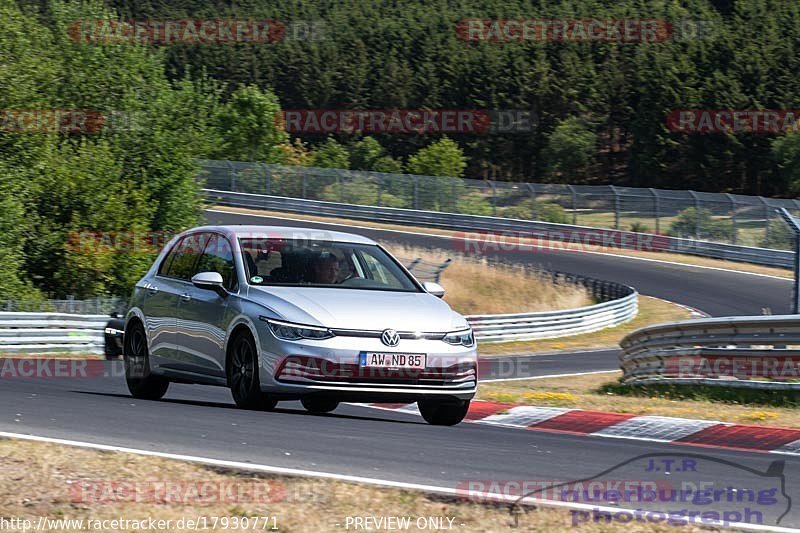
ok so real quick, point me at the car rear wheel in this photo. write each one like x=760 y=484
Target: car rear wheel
x=443 y=412
x=319 y=405
x=141 y=383
x=243 y=375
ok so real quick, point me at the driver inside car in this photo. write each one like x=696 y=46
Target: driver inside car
x=326 y=268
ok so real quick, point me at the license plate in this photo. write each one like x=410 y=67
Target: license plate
x=391 y=360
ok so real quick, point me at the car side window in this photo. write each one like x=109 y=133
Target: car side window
x=164 y=267
x=187 y=252
x=218 y=257
x=377 y=271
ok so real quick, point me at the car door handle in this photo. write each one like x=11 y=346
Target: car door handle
x=185 y=297
x=152 y=289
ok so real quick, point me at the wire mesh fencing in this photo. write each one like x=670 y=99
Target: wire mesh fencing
x=717 y=217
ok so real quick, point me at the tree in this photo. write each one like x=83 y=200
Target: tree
x=331 y=154
x=250 y=126
x=570 y=150
x=441 y=158
x=72 y=203
x=786 y=153
x=368 y=154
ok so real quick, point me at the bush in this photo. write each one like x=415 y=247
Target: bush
x=778 y=236
x=639 y=227
x=360 y=191
x=693 y=222
x=474 y=204
x=552 y=213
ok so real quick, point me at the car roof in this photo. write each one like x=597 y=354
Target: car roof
x=284 y=232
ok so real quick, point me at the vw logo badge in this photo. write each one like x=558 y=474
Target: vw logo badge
x=390 y=337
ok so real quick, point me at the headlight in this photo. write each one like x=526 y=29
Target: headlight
x=290 y=331
x=460 y=338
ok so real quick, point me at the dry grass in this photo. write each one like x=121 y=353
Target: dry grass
x=475 y=286
x=662 y=256
x=37 y=480
x=651 y=311
x=581 y=392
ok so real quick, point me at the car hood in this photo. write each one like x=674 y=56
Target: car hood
x=359 y=309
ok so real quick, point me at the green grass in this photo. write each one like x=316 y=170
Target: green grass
x=708 y=393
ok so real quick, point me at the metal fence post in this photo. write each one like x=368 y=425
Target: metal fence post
x=232 y=176
x=616 y=205
x=794 y=225
x=574 y=205
x=796 y=302
x=494 y=196
x=380 y=189
x=734 y=235
x=656 y=209
x=766 y=219
x=532 y=188
x=696 y=214
x=439 y=269
x=416 y=192
x=305 y=185
x=267 y=180
x=341 y=187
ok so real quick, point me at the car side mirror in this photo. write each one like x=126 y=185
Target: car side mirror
x=434 y=288
x=211 y=281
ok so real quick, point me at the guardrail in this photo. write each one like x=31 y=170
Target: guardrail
x=753 y=352
x=51 y=333
x=618 y=304
x=541 y=232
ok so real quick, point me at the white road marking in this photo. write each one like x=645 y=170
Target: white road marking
x=658 y=428
x=524 y=416
x=449 y=491
x=549 y=376
x=451 y=237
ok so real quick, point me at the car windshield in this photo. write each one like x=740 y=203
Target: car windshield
x=322 y=264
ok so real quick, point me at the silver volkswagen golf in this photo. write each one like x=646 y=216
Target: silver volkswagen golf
x=279 y=313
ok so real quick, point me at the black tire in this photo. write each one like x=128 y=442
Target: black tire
x=319 y=405
x=243 y=375
x=141 y=383
x=443 y=412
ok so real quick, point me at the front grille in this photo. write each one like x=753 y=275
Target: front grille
x=376 y=334
x=310 y=369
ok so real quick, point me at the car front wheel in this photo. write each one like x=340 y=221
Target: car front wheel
x=443 y=412
x=243 y=375
x=319 y=405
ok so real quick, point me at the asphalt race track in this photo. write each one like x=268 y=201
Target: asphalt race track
x=358 y=440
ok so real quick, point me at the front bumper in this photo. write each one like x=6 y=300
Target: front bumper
x=292 y=369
